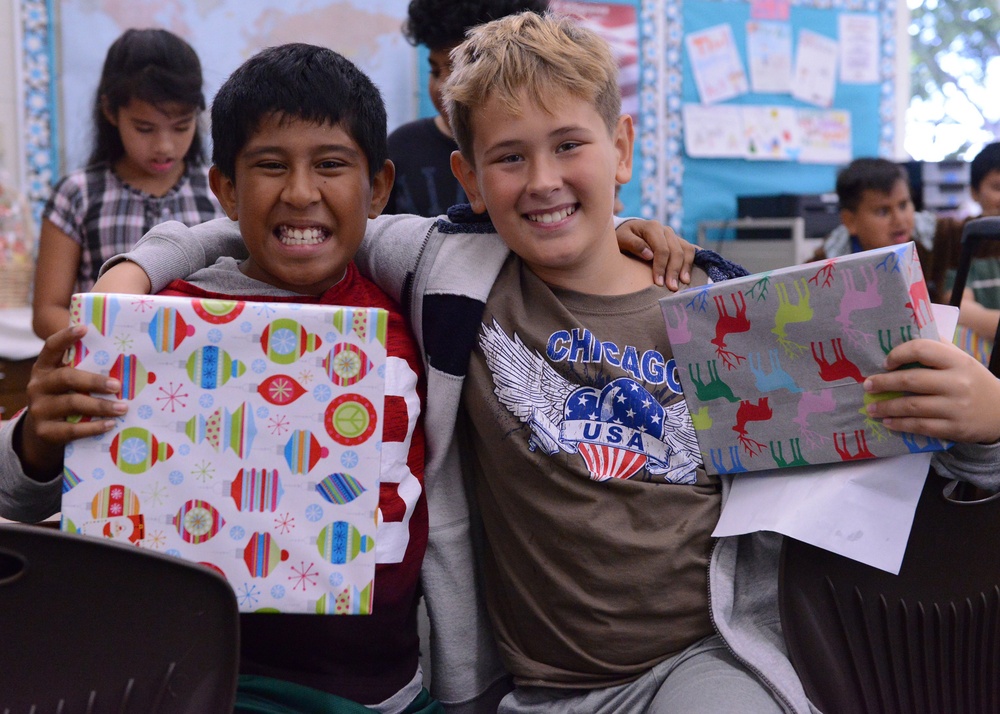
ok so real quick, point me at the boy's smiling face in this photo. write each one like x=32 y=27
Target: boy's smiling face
x=302 y=196
x=548 y=182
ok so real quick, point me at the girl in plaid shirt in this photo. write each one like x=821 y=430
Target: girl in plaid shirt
x=146 y=167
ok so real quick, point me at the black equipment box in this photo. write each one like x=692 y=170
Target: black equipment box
x=820 y=211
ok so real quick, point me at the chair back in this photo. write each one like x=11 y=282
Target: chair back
x=88 y=625
x=925 y=641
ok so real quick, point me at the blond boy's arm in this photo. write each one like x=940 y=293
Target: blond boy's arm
x=172 y=251
x=949 y=396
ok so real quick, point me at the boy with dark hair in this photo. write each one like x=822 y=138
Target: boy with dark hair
x=876 y=210
x=300 y=163
x=984 y=179
x=421 y=149
x=580 y=454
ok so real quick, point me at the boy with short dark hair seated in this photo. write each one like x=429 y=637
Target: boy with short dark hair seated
x=300 y=161
x=580 y=453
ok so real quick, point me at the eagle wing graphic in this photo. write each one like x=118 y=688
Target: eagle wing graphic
x=524 y=381
x=679 y=436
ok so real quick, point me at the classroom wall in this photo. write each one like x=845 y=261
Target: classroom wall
x=10 y=128
x=9 y=152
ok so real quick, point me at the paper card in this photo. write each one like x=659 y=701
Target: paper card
x=859 y=43
x=251 y=444
x=771 y=133
x=769 y=54
x=815 y=76
x=772 y=364
x=718 y=71
x=826 y=136
x=714 y=132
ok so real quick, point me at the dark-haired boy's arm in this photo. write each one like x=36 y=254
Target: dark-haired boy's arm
x=31 y=445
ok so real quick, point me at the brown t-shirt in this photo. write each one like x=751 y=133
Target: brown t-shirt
x=597 y=512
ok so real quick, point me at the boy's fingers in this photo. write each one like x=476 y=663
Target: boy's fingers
x=62 y=432
x=55 y=346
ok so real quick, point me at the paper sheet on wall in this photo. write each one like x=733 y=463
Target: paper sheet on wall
x=859 y=43
x=713 y=132
x=718 y=71
x=863 y=510
x=771 y=133
x=769 y=54
x=826 y=136
x=815 y=76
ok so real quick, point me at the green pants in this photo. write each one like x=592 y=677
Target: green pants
x=264 y=695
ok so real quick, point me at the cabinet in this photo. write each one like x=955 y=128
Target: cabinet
x=757 y=255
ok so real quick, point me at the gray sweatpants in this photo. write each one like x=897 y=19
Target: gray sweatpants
x=703 y=679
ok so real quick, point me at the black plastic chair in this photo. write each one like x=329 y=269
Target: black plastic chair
x=88 y=625
x=925 y=641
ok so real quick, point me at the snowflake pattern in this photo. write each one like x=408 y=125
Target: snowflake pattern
x=263 y=309
x=349 y=459
x=155 y=494
x=206 y=401
x=237 y=533
x=215 y=335
x=278 y=592
x=314 y=512
x=278 y=425
x=284 y=523
x=173 y=398
x=124 y=342
x=284 y=341
x=336 y=579
x=155 y=540
x=142 y=304
x=134 y=450
x=101 y=358
x=304 y=575
x=145 y=411
x=322 y=393
x=258 y=366
x=306 y=376
x=203 y=471
x=248 y=595
x=176 y=478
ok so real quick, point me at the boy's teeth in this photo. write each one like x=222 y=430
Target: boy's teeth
x=552 y=217
x=300 y=236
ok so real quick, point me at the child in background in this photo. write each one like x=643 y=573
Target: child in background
x=981 y=300
x=146 y=167
x=421 y=149
x=300 y=162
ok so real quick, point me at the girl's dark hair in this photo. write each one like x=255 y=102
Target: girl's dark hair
x=154 y=66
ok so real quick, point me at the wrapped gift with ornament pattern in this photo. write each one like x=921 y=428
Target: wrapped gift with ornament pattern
x=772 y=364
x=251 y=444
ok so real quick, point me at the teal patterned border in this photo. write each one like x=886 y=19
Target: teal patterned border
x=40 y=101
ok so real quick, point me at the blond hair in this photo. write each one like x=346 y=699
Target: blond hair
x=529 y=55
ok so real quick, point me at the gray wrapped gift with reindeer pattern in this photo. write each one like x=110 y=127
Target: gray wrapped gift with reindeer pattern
x=772 y=364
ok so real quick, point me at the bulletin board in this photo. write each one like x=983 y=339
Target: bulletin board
x=648 y=37
x=709 y=186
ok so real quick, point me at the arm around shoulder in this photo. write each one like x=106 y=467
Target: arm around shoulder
x=173 y=251
x=391 y=248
